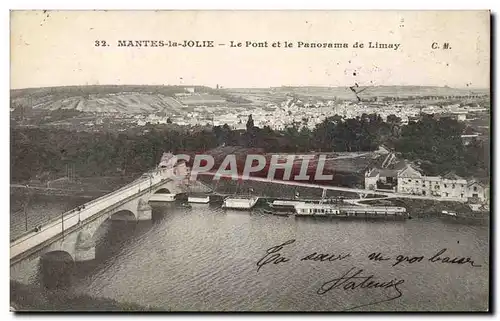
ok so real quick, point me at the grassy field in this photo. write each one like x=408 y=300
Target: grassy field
x=127 y=103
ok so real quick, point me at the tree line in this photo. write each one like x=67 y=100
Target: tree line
x=435 y=144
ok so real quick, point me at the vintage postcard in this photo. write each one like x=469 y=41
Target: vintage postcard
x=250 y=161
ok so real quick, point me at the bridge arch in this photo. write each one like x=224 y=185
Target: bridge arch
x=123 y=215
x=56 y=268
x=162 y=190
x=57 y=256
x=132 y=211
x=84 y=242
x=89 y=236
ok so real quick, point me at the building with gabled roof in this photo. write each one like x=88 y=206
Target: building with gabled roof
x=406 y=178
x=168 y=160
x=477 y=191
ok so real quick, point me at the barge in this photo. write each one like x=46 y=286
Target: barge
x=199 y=199
x=239 y=203
x=161 y=197
x=315 y=209
x=282 y=207
x=474 y=217
x=332 y=210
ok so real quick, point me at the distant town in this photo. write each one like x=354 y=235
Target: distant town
x=277 y=108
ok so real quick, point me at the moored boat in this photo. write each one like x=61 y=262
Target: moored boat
x=373 y=211
x=161 y=197
x=199 y=199
x=322 y=209
x=480 y=217
x=450 y=213
x=243 y=203
x=283 y=207
x=315 y=209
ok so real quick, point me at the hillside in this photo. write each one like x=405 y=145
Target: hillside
x=172 y=99
x=68 y=91
x=127 y=103
x=371 y=91
x=98 y=99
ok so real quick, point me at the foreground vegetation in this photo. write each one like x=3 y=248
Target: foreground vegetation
x=28 y=298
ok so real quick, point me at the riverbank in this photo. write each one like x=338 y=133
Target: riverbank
x=91 y=187
x=30 y=298
x=430 y=208
x=90 y=194
x=80 y=187
x=270 y=189
x=415 y=207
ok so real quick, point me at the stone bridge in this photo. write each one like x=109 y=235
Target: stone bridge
x=73 y=234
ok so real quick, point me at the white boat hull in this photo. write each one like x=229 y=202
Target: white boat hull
x=162 y=198
x=199 y=200
x=240 y=203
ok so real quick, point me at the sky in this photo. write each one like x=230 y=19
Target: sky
x=57 y=48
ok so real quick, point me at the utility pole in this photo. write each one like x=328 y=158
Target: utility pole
x=323 y=195
x=25 y=218
x=26 y=209
x=216 y=186
x=70 y=172
x=62 y=224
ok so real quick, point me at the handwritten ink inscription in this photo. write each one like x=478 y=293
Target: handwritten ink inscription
x=439 y=257
x=356 y=278
x=272 y=256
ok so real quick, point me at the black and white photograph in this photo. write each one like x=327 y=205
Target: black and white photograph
x=250 y=161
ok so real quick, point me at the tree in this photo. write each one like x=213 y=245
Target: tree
x=393 y=119
x=250 y=124
x=437 y=144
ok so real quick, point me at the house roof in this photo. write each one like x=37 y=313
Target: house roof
x=388 y=173
x=474 y=182
x=373 y=173
x=452 y=176
x=410 y=172
x=383 y=149
x=383 y=173
x=399 y=165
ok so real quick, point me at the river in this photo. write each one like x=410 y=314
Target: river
x=204 y=259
